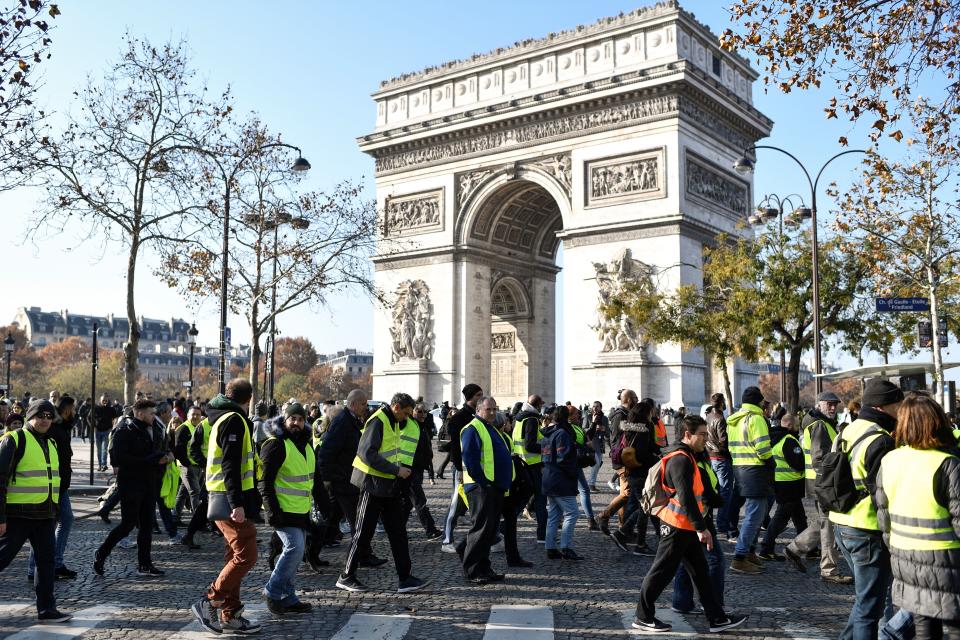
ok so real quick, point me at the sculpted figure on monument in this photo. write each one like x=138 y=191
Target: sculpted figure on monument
x=412 y=330
x=620 y=333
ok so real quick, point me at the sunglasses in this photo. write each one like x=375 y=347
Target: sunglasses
x=46 y=415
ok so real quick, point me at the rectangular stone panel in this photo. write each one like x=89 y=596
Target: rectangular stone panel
x=715 y=188
x=414 y=213
x=626 y=178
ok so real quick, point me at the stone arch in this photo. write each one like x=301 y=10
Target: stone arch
x=509 y=299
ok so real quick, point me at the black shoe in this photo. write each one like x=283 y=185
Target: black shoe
x=570 y=554
x=482 y=579
x=189 y=542
x=150 y=571
x=436 y=534
x=372 y=561
x=620 y=539
x=592 y=525
x=350 y=583
x=275 y=606
x=316 y=563
x=771 y=557
x=553 y=554
x=643 y=550
x=653 y=625
x=520 y=562
x=440 y=476
x=412 y=583
x=98 y=562
x=29 y=578
x=493 y=576
x=104 y=516
x=795 y=560
x=52 y=615
x=299 y=607
x=728 y=623
x=62 y=573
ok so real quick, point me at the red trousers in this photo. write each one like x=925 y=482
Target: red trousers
x=239 y=556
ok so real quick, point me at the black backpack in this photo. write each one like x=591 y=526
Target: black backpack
x=443 y=438
x=835 y=489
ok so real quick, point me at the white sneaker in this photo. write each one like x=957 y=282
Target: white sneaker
x=175 y=539
x=612 y=486
x=448 y=548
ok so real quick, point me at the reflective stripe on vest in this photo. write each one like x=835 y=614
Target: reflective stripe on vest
x=35 y=479
x=749 y=437
x=409 y=439
x=389 y=446
x=784 y=472
x=808 y=471
x=917 y=521
x=216 y=481
x=673 y=512
x=487 y=459
x=863 y=515
x=519 y=449
x=294 y=483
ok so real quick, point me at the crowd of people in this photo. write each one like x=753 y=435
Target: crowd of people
x=884 y=479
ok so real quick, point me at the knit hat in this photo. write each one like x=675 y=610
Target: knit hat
x=13 y=417
x=294 y=409
x=41 y=406
x=828 y=396
x=471 y=390
x=752 y=395
x=879 y=393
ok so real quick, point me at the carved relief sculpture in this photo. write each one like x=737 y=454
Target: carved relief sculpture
x=620 y=333
x=626 y=178
x=468 y=183
x=558 y=166
x=415 y=212
x=503 y=341
x=411 y=333
x=710 y=185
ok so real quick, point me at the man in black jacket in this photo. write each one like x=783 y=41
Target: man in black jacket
x=138 y=461
x=472 y=394
x=787 y=486
x=335 y=464
x=191 y=474
x=422 y=461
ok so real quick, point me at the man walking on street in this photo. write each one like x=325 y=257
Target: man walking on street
x=718 y=449
x=102 y=416
x=231 y=493
x=682 y=530
x=472 y=394
x=526 y=443
x=28 y=507
x=190 y=471
x=416 y=453
x=375 y=472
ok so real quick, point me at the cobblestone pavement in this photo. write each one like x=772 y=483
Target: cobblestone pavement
x=590 y=599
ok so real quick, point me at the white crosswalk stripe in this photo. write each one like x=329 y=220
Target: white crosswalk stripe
x=83 y=621
x=193 y=631
x=365 y=626
x=803 y=632
x=9 y=608
x=520 y=622
x=681 y=628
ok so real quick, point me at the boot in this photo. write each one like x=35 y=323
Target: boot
x=593 y=524
x=753 y=558
x=742 y=565
x=603 y=522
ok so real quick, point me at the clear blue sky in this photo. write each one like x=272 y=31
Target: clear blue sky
x=308 y=68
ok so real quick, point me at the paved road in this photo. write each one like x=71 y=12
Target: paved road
x=563 y=600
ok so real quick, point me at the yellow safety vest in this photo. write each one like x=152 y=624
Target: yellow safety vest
x=409 y=439
x=956 y=435
x=579 y=435
x=215 y=479
x=748 y=437
x=784 y=472
x=36 y=479
x=518 y=448
x=204 y=430
x=193 y=429
x=294 y=484
x=809 y=472
x=486 y=452
x=707 y=468
x=863 y=515
x=389 y=446
x=917 y=521
x=170 y=485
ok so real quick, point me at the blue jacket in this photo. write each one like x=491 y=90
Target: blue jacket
x=560 y=468
x=471 y=448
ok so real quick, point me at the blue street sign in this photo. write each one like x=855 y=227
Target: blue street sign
x=227 y=335
x=895 y=305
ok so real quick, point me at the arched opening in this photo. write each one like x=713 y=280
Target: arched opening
x=510 y=326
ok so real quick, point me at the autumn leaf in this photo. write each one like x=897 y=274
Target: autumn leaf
x=897 y=135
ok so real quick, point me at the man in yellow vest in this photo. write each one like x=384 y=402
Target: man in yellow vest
x=788 y=485
x=29 y=497
x=288 y=488
x=197 y=449
x=867 y=440
x=376 y=469
x=819 y=430
x=190 y=472
x=527 y=435
x=748 y=437
x=232 y=496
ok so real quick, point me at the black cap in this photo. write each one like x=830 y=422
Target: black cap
x=879 y=393
x=752 y=395
x=40 y=406
x=471 y=390
x=828 y=396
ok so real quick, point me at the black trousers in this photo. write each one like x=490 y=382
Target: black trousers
x=137 y=504
x=935 y=629
x=40 y=533
x=389 y=511
x=785 y=512
x=512 y=505
x=486 y=505
x=535 y=474
x=416 y=500
x=348 y=503
x=678 y=546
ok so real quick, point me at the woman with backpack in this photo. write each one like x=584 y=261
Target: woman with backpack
x=918 y=510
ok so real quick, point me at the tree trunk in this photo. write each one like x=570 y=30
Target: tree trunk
x=792 y=400
x=254 y=353
x=131 y=349
x=935 y=330
x=722 y=361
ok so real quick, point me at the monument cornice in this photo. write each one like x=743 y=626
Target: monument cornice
x=650 y=104
x=467 y=252
x=649 y=228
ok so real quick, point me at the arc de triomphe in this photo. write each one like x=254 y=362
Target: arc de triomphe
x=615 y=139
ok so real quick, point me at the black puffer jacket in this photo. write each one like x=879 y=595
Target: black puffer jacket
x=927 y=583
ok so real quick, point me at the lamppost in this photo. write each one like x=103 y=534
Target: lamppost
x=94 y=361
x=192 y=338
x=8 y=345
x=745 y=165
x=772 y=206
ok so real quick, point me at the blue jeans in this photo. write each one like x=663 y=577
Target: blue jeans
x=64 y=524
x=558 y=506
x=595 y=471
x=870 y=561
x=280 y=585
x=726 y=515
x=102 y=438
x=167 y=518
x=455 y=510
x=584 y=490
x=755 y=510
x=683 y=586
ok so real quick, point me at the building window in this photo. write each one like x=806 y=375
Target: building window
x=716 y=65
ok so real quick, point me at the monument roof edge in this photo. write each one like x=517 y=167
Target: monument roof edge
x=531 y=45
